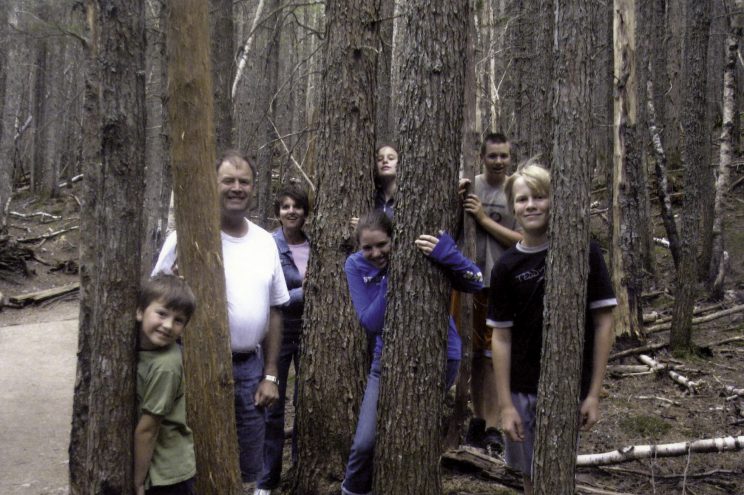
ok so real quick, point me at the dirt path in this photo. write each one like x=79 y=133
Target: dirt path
x=37 y=363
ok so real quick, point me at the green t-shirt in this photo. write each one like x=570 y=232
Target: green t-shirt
x=160 y=392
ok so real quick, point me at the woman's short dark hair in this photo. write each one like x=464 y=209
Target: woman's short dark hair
x=298 y=194
x=375 y=220
x=171 y=290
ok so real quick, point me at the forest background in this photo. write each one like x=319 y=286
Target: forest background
x=663 y=141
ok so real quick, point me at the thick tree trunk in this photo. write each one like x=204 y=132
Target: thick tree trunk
x=628 y=177
x=104 y=403
x=695 y=156
x=332 y=362
x=567 y=263
x=6 y=167
x=207 y=358
x=222 y=42
x=385 y=127
x=431 y=73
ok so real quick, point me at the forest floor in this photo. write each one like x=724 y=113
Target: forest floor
x=639 y=409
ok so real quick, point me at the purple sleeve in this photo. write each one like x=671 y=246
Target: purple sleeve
x=368 y=300
x=462 y=272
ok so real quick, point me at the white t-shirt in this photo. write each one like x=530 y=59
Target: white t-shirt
x=254 y=282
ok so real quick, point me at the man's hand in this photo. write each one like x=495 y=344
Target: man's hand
x=463 y=186
x=511 y=424
x=589 y=412
x=266 y=394
x=473 y=205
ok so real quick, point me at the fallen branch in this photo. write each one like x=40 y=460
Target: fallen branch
x=70 y=182
x=696 y=321
x=44 y=295
x=638 y=350
x=36 y=214
x=656 y=366
x=49 y=235
x=289 y=153
x=492 y=468
x=654 y=317
x=706 y=474
x=736 y=392
x=635 y=452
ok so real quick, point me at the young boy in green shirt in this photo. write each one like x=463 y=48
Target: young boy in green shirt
x=164 y=460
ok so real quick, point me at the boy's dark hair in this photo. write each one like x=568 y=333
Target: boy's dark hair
x=375 y=220
x=171 y=290
x=493 y=138
x=298 y=194
x=234 y=157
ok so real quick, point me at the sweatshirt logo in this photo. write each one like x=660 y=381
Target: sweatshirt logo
x=530 y=274
x=376 y=279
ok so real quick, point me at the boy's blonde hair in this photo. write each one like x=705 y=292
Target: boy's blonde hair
x=535 y=175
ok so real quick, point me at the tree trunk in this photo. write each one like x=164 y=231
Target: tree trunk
x=158 y=180
x=330 y=386
x=6 y=168
x=695 y=156
x=104 y=403
x=532 y=63
x=628 y=177
x=431 y=72
x=725 y=159
x=470 y=162
x=222 y=42
x=385 y=127
x=267 y=103
x=567 y=262
x=207 y=357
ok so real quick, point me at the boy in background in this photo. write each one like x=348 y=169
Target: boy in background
x=515 y=313
x=164 y=460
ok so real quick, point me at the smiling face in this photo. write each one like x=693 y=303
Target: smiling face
x=386 y=163
x=235 y=184
x=496 y=159
x=291 y=214
x=159 y=326
x=532 y=211
x=376 y=246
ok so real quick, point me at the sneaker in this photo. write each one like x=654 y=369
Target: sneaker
x=262 y=491
x=476 y=433
x=493 y=442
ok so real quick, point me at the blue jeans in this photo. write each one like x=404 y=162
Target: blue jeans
x=274 y=443
x=358 y=478
x=248 y=373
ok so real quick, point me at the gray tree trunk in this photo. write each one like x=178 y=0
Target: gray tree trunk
x=567 y=263
x=104 y=402
x=431 y=74
x=696 y=157
x=222 y=42
x=330 y=385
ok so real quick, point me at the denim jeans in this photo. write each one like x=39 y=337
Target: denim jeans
x=248 y=373
x=358 y=478
x=274 y=443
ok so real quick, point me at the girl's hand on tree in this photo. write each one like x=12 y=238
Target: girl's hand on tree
x=353 y=222
x=511 y=424
x=589 y=412
x=426 y=243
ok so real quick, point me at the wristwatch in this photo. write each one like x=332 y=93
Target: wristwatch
x=272 y=378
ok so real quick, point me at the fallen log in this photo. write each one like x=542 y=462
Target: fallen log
x=661 y=345
x=49 y=235
x=737 y=392
x=696 y=321
x=44 y=295
x=655 y=365
x=41 y=214
x=489 y=466
x=635 y=452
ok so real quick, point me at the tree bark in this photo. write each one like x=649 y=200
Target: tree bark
x=725 y=159
x=385 y=128
x=104 y=403
x=207 y=357
x=470 y=162
x=330 y=385
x=222 y=42
x=567 y=262
x=697 y=23
x=628 y=177
x=431 y=73
x=158 y=180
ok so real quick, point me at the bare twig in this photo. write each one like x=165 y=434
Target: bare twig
x=286 y=149
x=49 y=235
